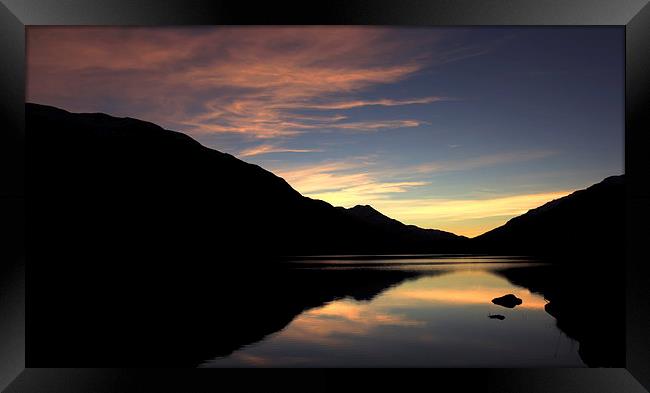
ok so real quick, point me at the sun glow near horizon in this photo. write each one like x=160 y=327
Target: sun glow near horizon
x=359 y=182
x=466 y=217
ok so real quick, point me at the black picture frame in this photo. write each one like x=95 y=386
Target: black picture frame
x=14 y=185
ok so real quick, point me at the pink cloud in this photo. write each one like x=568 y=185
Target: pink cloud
x=266 y=149
x=252 y=81
x=382 y=102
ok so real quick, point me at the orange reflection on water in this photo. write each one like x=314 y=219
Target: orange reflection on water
x=341 y=321
x=439 y=318
x=467 y=287
x=470 y=296
x=359 y=313
x=331 y=323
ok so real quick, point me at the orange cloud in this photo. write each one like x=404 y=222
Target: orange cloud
x=252 y=81
x=342 y=183
x=375 y=125
x=382 y=102
x=266 y=149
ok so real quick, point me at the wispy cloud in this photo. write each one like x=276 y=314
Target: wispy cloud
x=375 y=125
x=267 y=149
x=382 y=102
x=343 y=183
x=481 y=161
x=253 y=81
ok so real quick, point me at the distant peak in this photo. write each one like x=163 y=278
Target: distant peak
x=364 y=207
x=368 y=212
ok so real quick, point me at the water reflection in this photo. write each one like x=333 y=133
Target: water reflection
x=439 y=319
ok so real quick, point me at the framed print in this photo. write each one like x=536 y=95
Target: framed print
x=370 y=195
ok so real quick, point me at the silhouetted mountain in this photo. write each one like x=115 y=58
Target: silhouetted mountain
x=129 y=181
x=399 y=231
x=589 y=221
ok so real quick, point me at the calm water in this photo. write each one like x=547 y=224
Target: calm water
x=439 y=317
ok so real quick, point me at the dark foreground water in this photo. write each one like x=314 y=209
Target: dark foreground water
x=421 y=312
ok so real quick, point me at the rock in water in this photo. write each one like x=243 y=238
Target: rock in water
x=496 y=316
x=508 y=300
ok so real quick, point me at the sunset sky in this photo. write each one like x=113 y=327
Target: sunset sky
x=456 y=129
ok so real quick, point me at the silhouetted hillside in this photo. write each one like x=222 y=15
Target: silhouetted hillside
x=589 y=221
x=122 y=181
